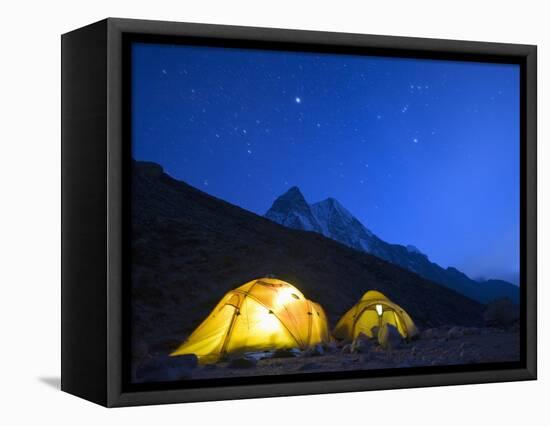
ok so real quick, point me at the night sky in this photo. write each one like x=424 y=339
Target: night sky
x=422 y=152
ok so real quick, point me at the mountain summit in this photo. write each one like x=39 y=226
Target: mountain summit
x=326 y=217
x=334 y=221
x=292 y=211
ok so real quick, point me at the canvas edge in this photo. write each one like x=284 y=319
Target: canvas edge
x=83 y=232
x=531 y=209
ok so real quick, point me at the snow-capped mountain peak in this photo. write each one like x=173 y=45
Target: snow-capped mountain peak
x=340 y=225
x=293 y=193
x=327 y=217
x=334 y=221
x=330 y=206
x=292 y=210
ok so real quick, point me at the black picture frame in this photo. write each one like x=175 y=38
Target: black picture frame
x=95 y=232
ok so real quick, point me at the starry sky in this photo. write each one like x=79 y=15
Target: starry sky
x=422 y=152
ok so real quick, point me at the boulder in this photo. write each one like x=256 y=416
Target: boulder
x=362 y=344
x=166 y=368
x=258 y=356
x=330 y=347
x=455 y=333
x=242 y=363
x=471 y=331
x=286 y=353
x=501 y=313
x=389 y=337
x=346 y=349
x=430 y=333
x=316 y=350
x=363 y=336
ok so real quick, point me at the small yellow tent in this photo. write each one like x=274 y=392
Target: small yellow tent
x=373 y=310
x=263 y=314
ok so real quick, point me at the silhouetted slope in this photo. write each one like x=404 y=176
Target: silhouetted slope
x=190 y=248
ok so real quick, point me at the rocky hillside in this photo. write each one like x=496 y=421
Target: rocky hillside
x=330 y=218
x=189 y=249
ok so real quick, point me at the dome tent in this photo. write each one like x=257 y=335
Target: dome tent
x=374 y=310
x=263 y=314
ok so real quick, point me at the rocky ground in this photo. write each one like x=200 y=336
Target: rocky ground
x=434 y=347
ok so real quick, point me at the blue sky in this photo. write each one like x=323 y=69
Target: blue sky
x=423 y=152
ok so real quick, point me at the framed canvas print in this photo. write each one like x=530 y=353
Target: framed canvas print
x=253 y=212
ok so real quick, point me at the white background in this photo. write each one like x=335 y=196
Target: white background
x=30 y=200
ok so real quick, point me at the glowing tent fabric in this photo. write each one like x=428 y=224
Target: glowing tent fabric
x=373 y=310
x=263 y=314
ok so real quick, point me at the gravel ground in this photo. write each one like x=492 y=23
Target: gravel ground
x=440 y=346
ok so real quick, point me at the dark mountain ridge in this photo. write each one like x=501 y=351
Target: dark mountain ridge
x=190 y=248
x=331 y=219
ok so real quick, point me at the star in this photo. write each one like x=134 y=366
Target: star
x=415 y=140
x=164 y=72
x=298 y=100
x=205 y=183
x=249 y=151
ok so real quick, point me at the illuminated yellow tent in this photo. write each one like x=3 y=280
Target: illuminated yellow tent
x=373 y=310
x=263 y=314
